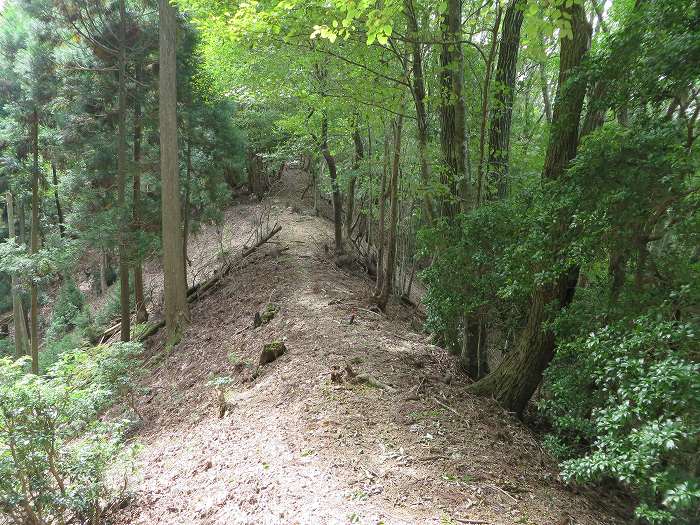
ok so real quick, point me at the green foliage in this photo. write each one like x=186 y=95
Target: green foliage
x=269 y=313
x=67 y=309
x=110 y=309
x=634 y=400
x=7 y=347
x=54 y=455
x=54 y=348
x=475 y=271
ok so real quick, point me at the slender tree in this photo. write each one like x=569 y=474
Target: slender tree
x=335 y=188
x=388 y=279
x=418 y=92
x=59 y=208
x=352 y=180
x=121 y=182
x=36 y=202
x=381 y=234
x=141 y=312
x=486 y=99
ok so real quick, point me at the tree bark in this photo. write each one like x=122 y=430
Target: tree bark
x=357 y=159
x=545 y=94
x=104 y=266
x=17 y=308
x=418 y=92
x=514 y=381
x=452 y=112
x=186 y=210
x=486 y=93
x=139 y=297
x=124 y=294
x=382 y=219
x=59 y=210
x=22 y=223
x=34 y=315
x=176 y=309
x=388 y=280
x=333 y=174
x=499 y=134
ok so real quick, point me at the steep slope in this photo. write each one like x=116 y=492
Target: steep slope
x=297 y=448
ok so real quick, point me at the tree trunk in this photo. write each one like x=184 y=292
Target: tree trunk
x=418 y=92
x=34 y=316
x=17 y=308
x=256 y=170
x=359 y=155
x=545 y=93
x=474 y=356
x=59 y=210
x=315 y=176
x=388 y=280
x=333 y=174
x=22 y=223
x=486 y=93
x=104 y=266
x=139 y=299
x=499 y=134
x=186 y=211
x=382 y=219
x=514 y=381
x=176 y=310
x=124 y=294
x=452 y=136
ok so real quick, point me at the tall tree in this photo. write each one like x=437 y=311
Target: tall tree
x=176 y=310
x=452 y=112
x=389 y=264
x=121 y=182
x=419 y=95
x=36 y=202
x=57 y=200
x=139 y=300
x=335 y=187
x=352 y=180
x=501 y=117
x=514 y=381
x=486 y=99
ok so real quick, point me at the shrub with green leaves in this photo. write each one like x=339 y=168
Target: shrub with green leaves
x=54 y=453
x=631 y=413
x=67 y=309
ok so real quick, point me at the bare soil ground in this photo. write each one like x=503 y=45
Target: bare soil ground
x=297 y=448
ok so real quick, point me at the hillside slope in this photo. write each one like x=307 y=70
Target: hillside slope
x=295 y=447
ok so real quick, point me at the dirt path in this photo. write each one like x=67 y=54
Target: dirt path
x=296 y=448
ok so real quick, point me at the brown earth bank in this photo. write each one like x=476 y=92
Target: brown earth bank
x=301 y=440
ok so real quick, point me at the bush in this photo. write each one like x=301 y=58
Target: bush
x=54 y=454
x=630 y=413
x=68 y=308
x=7 y=347
x=52 y=350
x=111 y=309
x=472 y=273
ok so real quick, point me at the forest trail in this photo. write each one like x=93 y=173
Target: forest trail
x=295 y=447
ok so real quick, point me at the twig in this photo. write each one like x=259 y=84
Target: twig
x=433 y=458
x=504 y=492
x=448 y=407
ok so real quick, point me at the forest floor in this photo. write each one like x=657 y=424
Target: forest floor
x=294 y=447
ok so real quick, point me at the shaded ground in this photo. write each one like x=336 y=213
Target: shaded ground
x=295 y=447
